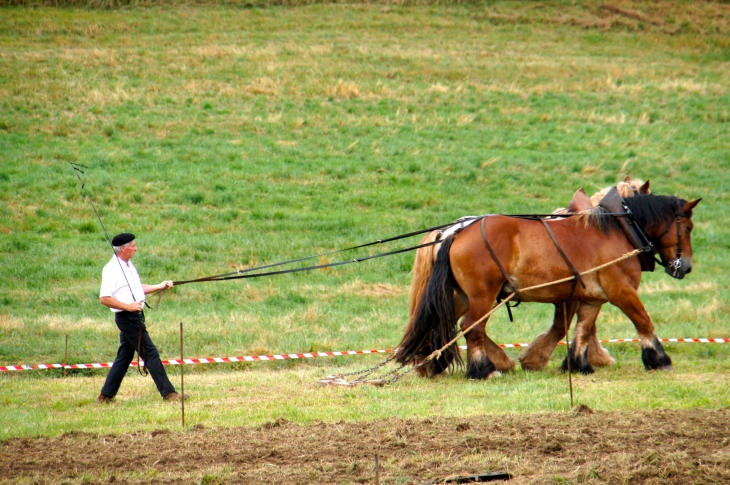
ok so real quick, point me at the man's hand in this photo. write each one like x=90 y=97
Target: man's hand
x=137 y=306
x=113 y=303
x=165 y=285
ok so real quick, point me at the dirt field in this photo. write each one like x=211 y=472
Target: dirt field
x=681 y=447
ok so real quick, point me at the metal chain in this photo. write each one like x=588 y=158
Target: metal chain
x=369 y=371
x=395 y=378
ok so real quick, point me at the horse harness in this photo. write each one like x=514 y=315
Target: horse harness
x=613 y=202
x=576 y=274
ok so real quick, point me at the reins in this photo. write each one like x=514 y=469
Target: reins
x=240 y=274
x=237 y=276
x=305 y=258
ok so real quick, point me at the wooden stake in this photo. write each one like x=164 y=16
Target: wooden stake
x=65 y=357
x=567 y=343
x=377 y=470
x=182 y=375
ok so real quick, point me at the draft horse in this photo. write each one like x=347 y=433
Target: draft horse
x=502 y=254
x=537 y=354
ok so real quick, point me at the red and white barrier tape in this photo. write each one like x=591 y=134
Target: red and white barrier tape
x=202 y=360
x=310 y=355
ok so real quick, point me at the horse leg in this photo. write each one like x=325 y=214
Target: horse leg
x=484 y=357
x=478 y=364
x=579 y=361
x=597 y=354
x=537 y=355
x=496 y=354
x=652 y=352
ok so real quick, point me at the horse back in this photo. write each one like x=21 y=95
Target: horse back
x=530 y=257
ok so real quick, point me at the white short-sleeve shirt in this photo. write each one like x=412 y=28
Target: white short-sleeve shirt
x=117 y=278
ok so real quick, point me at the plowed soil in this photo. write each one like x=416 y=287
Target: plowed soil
x=679 y=447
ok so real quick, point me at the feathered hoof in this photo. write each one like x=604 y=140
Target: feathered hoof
x=481 y=369
x=654 y=358
x=578 y=364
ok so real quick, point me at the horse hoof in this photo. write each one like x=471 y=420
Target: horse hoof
x=531 y=368
x=655 y=357
x=480 y=369
x=582 y=366
x=587 y=371
x=654 y=361
x=494 y=374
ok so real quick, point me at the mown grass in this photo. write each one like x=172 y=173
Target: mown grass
x=227 y=137
x=264 y=394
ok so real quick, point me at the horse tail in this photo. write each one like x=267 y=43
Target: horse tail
x=422 y=269
x=433 y=324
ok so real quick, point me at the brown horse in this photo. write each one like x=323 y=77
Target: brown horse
x=537 y=354
x=466 y=279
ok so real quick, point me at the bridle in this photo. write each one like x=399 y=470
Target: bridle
x=675 y=264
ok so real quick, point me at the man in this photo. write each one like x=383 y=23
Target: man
x=123 y=292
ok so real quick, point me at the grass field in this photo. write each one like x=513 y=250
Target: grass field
x=227 y=137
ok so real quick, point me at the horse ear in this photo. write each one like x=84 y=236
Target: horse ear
x=690 y=205
x=580 y=201
x=644 y=189
x=627 y=179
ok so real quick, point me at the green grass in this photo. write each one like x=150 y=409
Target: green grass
x=227 y=137
x=267 y=392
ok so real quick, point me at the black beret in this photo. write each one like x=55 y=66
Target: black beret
x=122 y=239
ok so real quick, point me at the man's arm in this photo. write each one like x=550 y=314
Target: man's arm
x=112 y=302
x=165 y=285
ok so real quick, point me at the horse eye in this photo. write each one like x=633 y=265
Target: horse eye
x=689 y=230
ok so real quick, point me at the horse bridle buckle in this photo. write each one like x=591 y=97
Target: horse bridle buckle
x=675 y=264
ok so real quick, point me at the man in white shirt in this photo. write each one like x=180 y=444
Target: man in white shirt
x=123 y=292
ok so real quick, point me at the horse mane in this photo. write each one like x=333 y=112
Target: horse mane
x=654 y=210
x=597 y=217
x=649 y=211
x=627 y=188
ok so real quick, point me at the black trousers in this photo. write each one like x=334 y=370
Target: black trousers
x=129 y=325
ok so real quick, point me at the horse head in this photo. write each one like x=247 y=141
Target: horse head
x=673 y=240
x=667 y=223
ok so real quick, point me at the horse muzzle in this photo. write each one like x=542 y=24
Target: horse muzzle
x=677 y=268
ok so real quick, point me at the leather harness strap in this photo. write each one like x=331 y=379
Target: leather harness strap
x=494 y=257
x=577 y=278
x=575 y=272
x=614 y=203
